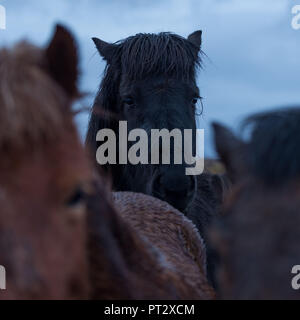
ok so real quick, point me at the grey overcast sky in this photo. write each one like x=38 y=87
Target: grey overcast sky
x=253 y=53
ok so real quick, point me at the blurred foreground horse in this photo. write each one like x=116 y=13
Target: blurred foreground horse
x=259 y=238
x=60 y=234
x=42 y=171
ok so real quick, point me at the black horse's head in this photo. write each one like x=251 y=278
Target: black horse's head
x=150 y=82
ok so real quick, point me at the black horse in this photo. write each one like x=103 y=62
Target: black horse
x=150 y=82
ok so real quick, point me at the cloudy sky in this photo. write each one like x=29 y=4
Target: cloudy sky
x=253 y=53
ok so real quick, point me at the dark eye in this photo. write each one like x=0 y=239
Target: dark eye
x=195 y=100
x=129 y=101
x=76 y=198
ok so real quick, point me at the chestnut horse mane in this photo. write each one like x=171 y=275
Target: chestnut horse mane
x=32 y=105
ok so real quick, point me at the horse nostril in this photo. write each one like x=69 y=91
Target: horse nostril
x=176 y=189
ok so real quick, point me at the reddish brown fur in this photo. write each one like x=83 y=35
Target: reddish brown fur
x=28 y=96
x=151 y=251
x=176 y=241
x=42 y=163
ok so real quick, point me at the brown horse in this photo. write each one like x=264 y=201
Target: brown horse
x=42 y=172
x=259 y=237
x=147 y=251
x=60 y=235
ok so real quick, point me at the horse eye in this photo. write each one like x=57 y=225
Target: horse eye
x=195 y=100
x=129 y=101
x=76 y=198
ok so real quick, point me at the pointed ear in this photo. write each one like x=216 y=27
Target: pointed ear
x=62 y=60
x=105 y=49
x=232 y=151
x=196 y=38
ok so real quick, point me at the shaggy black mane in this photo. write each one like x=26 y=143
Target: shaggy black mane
x=167 y=54
x=275 y=145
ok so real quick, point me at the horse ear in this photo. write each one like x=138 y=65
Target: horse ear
x=105 y=49
x=232 y=151
x=62 y=60
x=196 y=38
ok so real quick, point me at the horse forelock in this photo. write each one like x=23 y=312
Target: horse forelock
x=32 y=106
x=167 y=54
